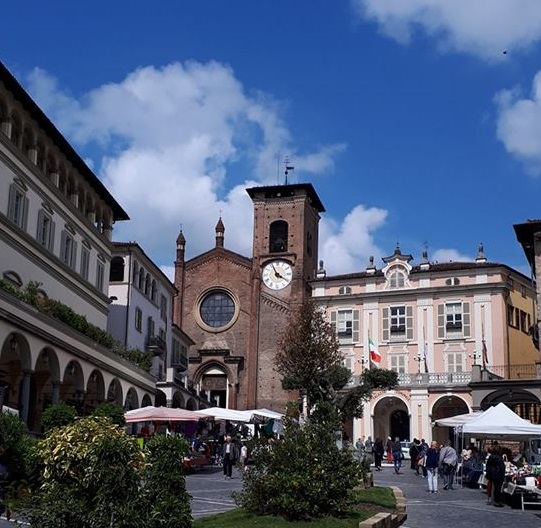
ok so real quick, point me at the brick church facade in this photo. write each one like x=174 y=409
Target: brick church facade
x=235 y=307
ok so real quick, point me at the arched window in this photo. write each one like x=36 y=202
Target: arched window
x=28 y=141
x=16 y=130
x=278 y=232
x=397 y=279
x=141 y=279
x=147 y=284
x=13 y=278
x=344 y=290
x=153 y=291
x=116 y=273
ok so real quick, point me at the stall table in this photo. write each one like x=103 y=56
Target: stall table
x=529 y=495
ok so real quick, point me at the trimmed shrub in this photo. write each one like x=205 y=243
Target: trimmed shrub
x=113 y=411
x=91 y=478
x=302 y=476
x=58 y=415
x=165 y=483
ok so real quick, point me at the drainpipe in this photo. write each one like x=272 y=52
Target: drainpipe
x=128 y=303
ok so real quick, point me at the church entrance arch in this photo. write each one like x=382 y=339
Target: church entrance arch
x=213 y=385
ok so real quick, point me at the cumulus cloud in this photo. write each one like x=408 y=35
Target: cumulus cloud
x=519 y=124
x=174 y=146
x=484 y=28
x=346 y=246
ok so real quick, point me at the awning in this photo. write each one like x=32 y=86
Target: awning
x=161 y=414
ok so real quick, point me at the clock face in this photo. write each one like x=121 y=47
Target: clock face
x=277 y=274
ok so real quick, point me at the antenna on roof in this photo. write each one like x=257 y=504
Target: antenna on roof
x=288 y=166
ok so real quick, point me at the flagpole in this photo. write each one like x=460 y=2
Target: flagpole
x=483 y=346
x=424 y=350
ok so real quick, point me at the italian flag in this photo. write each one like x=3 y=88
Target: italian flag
x=374 y=354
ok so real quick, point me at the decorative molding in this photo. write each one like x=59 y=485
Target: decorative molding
x=276 y=304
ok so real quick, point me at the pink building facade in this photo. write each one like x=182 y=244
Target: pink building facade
x=435 y=324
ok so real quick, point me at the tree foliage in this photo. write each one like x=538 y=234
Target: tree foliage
x=308 y=357
x=58 y=415
x=310 y=361
x=301 y=476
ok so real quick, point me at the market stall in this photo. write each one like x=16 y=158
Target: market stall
x=523 y=481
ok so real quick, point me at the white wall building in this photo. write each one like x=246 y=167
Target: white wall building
x=56 y=221
x=140 y=317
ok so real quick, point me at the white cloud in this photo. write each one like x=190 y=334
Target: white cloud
x=484 y=28
x=171 y=144
x=449 y=255
x=345 y=247
x=519 y=124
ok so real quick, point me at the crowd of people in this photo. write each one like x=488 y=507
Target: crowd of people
x=439 y=463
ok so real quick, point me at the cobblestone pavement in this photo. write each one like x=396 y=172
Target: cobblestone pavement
x=457 y=508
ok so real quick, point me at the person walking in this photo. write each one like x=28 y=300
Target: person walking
x=415 y=451
x=378 y=451
x=229 y=457
x=448 y=460
x=432 y=462
x=396 y=450
x=495 y=473
x=389 y=450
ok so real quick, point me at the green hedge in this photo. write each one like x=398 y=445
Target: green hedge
x=55 y=309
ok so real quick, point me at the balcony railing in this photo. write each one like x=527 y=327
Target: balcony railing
x=430 y=378
x=156 y=345
x=527 y=371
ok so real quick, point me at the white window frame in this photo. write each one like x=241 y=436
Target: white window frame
x=344 y=324
x=397 y=320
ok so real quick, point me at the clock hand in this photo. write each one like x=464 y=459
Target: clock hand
x=276 y=272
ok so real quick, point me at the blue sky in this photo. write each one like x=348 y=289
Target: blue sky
x=417 y=121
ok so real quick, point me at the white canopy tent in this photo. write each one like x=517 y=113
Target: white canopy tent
x=459 y=419
x=218 y=413
x=161 y=414
x=248 y=416
x=500 y=421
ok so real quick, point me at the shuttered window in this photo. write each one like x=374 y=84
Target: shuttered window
x=398 y=363
x=68 y=250
x=346 y=325
x=17 y=206
x=397 y=323
x=454 y=320
x=455 y=361
x=45 y=230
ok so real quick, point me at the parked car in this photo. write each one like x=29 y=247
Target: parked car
x=405 y=445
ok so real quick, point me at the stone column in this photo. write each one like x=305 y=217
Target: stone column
x=25 y=399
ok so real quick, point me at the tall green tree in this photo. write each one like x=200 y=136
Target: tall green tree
x=310 y=361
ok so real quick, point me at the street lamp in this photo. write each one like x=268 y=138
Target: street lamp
x=475 y=356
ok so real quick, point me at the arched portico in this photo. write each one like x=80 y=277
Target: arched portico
x=445 y=407
x=391 y=417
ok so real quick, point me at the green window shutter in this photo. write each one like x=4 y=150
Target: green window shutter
x=385 y=324
x=24 y=217
x=333 y=321
x=63 y=247
x=409 y=323
x=73 y=262
x=51 y=236
x=355 y=329
x=441 y=321
x=11 y=202
x=39 y=230
x=466 y=325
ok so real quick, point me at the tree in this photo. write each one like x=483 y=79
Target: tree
x=310 y=361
